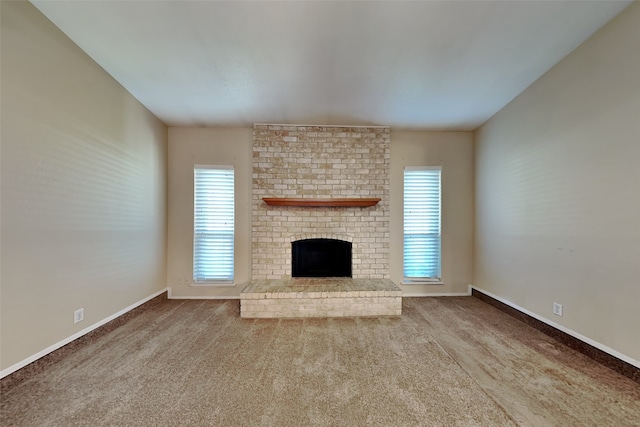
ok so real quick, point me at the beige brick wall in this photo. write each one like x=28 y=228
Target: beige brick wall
x=320 y=162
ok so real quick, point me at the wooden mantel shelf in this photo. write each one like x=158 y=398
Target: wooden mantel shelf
x=317 y=203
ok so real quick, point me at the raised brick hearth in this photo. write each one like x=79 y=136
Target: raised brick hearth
x=321 y=297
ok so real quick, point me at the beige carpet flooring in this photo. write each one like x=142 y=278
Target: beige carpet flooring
x=445 y=362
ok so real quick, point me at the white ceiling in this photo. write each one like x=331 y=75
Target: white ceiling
x=421 y=64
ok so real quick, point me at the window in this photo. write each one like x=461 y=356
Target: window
x=213 y=224
x=421 y=224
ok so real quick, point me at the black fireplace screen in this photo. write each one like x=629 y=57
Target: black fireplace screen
x=321 y=258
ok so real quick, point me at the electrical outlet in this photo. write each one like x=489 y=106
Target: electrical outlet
x=78 y=315
x=557 y=309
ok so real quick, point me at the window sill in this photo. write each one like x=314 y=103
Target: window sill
x=422 y=282
x=212 y=284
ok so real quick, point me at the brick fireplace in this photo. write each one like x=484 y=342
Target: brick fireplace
x=320 y=163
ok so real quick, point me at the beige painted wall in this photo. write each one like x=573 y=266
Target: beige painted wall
x=189 y=146
x=83 y=176
x=558 y=191
x=207 y=146
x=453 y=151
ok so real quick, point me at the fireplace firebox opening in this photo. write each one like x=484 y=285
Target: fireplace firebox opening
x=321 y=258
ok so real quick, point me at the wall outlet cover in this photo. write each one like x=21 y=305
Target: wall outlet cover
x=78 y=315
x=557 y=309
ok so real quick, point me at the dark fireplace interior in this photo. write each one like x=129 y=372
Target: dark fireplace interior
x=321 y=258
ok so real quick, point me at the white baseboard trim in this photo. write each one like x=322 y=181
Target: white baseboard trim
x=54 y=347
x=435 y=294
x=171 y=296
x=567 y=331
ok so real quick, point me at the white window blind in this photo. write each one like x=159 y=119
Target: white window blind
x=213 y=237
x=421 y=223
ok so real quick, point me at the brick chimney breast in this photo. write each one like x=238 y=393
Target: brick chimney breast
x=320 y=162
